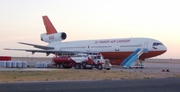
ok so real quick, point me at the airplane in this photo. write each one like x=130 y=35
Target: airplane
x=116 y=50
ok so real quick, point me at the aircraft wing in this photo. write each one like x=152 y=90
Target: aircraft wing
x=53 y=51
x=43 y=51
x=37 y=46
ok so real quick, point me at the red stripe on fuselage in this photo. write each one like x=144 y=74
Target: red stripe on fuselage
x=116 y=58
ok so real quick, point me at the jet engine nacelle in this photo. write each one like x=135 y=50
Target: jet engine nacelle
x=53 y=37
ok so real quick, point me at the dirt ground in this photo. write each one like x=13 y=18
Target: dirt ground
x=154 y=69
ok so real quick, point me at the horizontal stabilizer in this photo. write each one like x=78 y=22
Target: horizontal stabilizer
x=37 y=46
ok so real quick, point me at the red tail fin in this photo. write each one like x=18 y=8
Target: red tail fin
x=49 y=26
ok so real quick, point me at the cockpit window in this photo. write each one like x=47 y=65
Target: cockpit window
x=156 y=44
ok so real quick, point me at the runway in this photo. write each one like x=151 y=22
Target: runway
x=145 y=85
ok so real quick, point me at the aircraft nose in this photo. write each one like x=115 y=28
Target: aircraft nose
x=164 y=49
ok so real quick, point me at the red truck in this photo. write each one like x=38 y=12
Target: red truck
x=82 y=62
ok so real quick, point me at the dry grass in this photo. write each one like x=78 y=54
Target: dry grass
x=71 y=74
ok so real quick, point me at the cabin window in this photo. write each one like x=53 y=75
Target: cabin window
x=130 y=45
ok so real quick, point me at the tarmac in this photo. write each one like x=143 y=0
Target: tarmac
x=151 y=65
x=144 y=85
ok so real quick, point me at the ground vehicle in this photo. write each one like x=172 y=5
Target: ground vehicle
x=97 y=61
x=82 y=62
x=63 y=61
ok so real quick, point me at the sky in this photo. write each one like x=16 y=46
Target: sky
x=21 y=21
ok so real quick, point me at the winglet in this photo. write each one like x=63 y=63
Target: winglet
x=50 y=29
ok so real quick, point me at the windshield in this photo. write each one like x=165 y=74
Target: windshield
x=98 y=57
x=156 y=44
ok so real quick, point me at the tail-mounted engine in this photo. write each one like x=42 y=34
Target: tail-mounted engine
x=53 y=37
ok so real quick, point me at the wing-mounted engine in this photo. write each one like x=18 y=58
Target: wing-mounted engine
x=53 y=37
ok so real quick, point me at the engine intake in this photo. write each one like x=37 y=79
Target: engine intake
x=63 y=36
x=53 y=37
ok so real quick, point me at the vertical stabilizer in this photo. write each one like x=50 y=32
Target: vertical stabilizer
x=49 y=26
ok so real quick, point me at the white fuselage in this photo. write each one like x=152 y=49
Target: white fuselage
x=116 y=50
x=110 y=45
